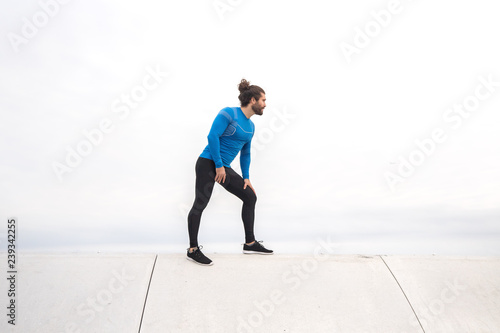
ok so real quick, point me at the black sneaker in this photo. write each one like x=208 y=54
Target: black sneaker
x=256 y=248
x=198 y=257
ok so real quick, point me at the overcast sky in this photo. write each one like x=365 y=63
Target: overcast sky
x=380 y=132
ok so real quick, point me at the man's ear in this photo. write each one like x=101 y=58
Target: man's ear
x=252 y=100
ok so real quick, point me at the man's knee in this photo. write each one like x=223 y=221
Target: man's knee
x=200 y=203
x=251 y=197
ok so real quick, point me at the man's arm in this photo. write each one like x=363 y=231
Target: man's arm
x=245 y=159
x=222 y=120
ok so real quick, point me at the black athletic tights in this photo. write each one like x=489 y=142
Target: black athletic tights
x=205 y=179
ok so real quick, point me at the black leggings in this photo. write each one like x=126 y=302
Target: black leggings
x=205 y=179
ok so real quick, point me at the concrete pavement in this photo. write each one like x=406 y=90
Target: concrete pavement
x=320 y=292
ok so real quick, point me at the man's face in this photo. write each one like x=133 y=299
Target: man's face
x=258 y=107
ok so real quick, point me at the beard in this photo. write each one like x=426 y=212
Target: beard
x=257 y=109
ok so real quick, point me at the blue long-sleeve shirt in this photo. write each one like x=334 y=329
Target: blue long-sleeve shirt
x=231 y=133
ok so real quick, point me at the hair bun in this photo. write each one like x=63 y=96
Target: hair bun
x=244 y=85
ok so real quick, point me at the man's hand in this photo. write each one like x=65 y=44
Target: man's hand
x=221 y=174
x=247 y=183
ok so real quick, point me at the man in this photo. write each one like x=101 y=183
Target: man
x=232 y=131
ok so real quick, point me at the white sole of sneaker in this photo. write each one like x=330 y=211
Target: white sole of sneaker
x=255 y=252
x=191 y=259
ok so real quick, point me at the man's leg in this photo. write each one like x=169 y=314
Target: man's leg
x=205 y=179
x=234 y=184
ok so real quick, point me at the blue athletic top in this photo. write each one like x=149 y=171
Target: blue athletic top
x=231 y=133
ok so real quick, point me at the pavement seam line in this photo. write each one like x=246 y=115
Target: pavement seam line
x=147 y=292
x=412 y=309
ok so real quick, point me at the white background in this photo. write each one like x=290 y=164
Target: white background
x=331 y=131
